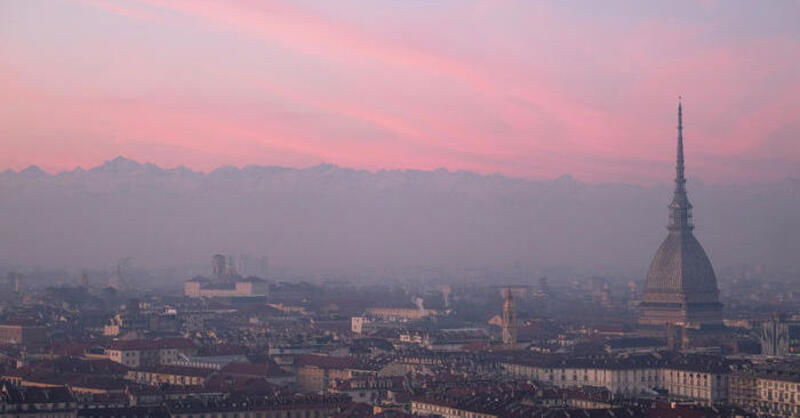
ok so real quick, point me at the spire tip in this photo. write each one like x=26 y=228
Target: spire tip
x=680 y=209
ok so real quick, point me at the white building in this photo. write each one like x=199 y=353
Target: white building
x=149 y=353
x=700 y=378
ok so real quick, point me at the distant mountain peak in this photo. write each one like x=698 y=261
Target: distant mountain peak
x=121 y=161
x=565 y=179
x=119 y=164
x=225 y=169
x=324 y=167
x=33 y=171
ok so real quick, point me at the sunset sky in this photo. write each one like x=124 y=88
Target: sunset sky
x=535 y=89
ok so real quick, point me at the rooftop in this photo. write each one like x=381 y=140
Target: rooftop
x=160 y=344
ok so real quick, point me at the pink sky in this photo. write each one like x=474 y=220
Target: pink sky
x=532 y=89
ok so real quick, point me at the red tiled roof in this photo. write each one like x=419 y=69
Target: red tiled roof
x=326 y=362
x=356 y=410
x=69 y=365
x=242 y=385
x=161 y=344
x=10 y=394
x=477 y=346
x=178 y=371
x=69 y=348
x=253 y=369
x=222 y=350
x=108 y=398
x=80 y=381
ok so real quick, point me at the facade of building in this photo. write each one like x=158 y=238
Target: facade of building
x=703 y=379
x=225 y=282
x=773 y=392
x=172 y=375
x=215 y=362
x=122 y=323
x=358 y=323
x=369 y=389
x=444 y=408
x=319 y=373
x=778 y=396
x=623 y=380
x=707 y=386
x=36 y=402
x=149 y=353
x=774 y=337
x=310 y=406
x=203 y=288
x=400 y=313
x=270 y=373
x=681 y=286
x=28 y=335
x=509 y=320
x=743 y=390
x=516 y=399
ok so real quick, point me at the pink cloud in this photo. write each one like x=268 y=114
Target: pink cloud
x=121 y=9
x=538 y=95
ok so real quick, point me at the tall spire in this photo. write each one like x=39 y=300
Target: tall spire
x=509 y=320
x=679 y=167
x=680 y=209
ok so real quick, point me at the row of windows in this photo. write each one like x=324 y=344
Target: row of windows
x=781 y=385
x=446 y=411
x=146 y=377
x=65 y=415
x=779 y=408
x=642 y=379
x=643 y=375
x=274 y=414
x=779 y=396
x=36 y=407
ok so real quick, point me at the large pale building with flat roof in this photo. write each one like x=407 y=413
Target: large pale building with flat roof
x=226 y=282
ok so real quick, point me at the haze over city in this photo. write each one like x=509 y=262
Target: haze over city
x=399 y=208
x=534 y=91
x=334 y=220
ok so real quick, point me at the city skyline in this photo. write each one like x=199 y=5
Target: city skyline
x=399 y=208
